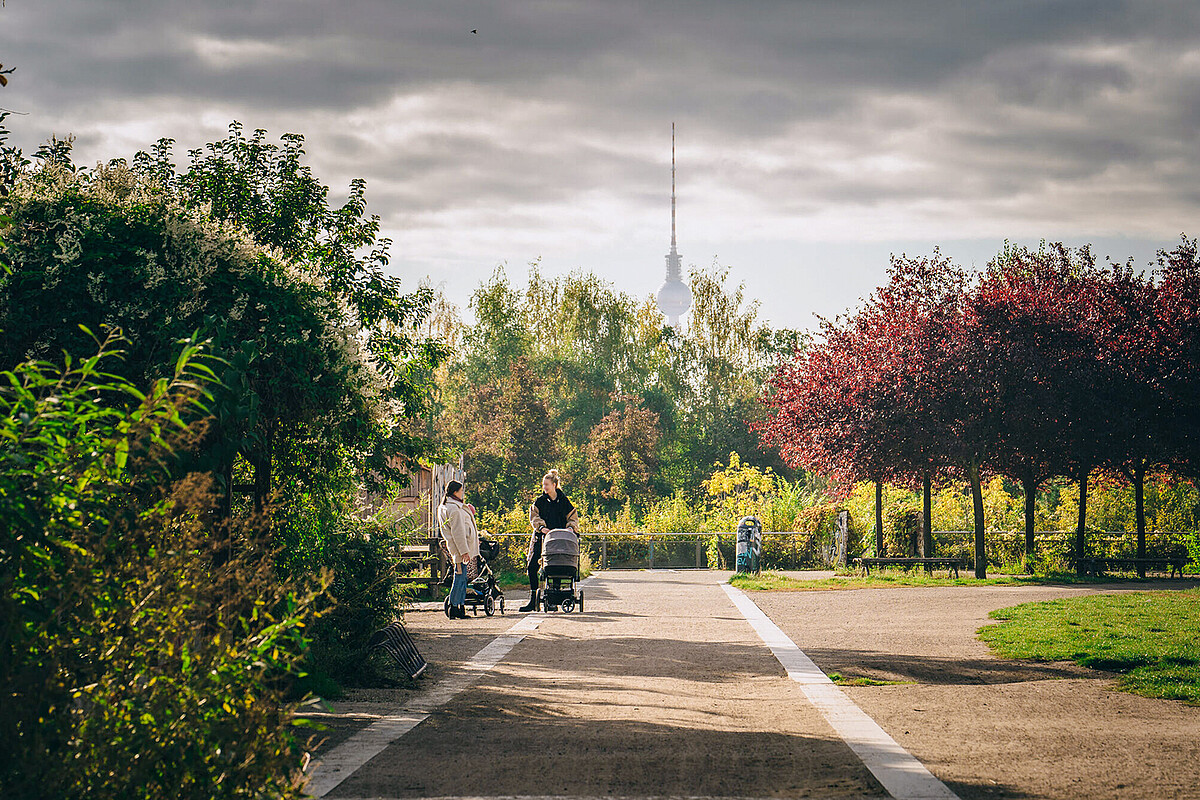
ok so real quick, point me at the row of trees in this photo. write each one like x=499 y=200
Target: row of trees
x=1046 y=364
x=574 y=374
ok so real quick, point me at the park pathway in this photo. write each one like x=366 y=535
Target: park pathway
x=670 y=684
x=660 y=688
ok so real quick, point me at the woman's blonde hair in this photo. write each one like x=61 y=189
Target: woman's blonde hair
x=553 y=475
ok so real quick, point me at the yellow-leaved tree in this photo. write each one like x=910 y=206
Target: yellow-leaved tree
x=737 y=490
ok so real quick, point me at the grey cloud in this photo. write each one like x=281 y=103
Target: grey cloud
x=1051 y=78
x=458 y=172
x=795 y=107
x=351 y=52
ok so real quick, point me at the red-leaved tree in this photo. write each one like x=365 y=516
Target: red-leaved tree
x=1132 y=367
x=1044 y=366
x=1027 y=322
x=1177 y=319
x=866 y=400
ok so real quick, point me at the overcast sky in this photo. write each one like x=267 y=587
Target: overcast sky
x=814 y=138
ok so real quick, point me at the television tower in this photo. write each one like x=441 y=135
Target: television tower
x=674 y=298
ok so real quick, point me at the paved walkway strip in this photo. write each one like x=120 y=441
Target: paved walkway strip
x=587 y=796
x=902 y=775
x=345 y=759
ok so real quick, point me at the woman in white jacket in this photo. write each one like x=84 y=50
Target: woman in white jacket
x=457 y=526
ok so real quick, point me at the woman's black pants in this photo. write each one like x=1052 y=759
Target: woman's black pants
x=535 y=559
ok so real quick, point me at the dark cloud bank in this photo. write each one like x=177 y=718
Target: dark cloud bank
x=546 y=133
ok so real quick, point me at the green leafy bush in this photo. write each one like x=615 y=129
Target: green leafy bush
x=146 y=646
x=358 y=550
x=320 y=369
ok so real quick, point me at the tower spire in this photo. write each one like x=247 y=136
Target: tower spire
x=672 y=187
x=674 y=298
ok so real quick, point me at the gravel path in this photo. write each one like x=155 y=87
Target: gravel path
x=661 y=688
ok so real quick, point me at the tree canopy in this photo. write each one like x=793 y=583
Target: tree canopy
x=322 y=351
x=571 y=371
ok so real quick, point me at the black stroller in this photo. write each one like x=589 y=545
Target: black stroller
x=559 y=571
x=482 y=590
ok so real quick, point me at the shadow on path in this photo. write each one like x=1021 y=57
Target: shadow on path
x=851 y=663
x=501 y=743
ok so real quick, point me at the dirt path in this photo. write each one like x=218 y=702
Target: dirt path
x=662 y=688
x=659 y=689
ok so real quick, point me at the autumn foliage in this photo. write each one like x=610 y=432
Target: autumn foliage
x=1044 y=364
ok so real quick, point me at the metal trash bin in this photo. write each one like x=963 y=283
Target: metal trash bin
x=749 y=545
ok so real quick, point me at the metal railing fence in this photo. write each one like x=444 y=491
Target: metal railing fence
x=798 y=550
x=643 y=550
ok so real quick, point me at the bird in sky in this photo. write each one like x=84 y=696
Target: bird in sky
x=476 y=31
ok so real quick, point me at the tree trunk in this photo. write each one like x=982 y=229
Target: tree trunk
x=262 y=480
x=926 y=516
x=977 y=499
x=262 y=468
x=1081 y=527
x=879 y=552
x=1139 y=498
x=226 y=510
x=1029 y=486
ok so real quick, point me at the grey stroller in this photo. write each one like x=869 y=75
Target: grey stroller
x=559 y=572
x=482 y=590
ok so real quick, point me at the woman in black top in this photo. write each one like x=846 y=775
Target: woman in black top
x=551 y=511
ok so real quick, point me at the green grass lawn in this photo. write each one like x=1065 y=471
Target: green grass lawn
x=773 y=581
x=1151 y=638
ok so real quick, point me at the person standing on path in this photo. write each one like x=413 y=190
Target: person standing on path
x=551 y=511
x=457 y=526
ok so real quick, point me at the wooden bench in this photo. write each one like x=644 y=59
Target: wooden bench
x=1098 y=566
x=949 y=564
x=420 y=557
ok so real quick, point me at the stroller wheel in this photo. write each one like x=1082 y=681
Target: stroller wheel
x=489 y=606
x=501 y=605
x=568 y=605
x=540 y=601
x=581 y=602
x=446 y=607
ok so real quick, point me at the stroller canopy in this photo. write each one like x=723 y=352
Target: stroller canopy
x=561 y=541
x=561 y=549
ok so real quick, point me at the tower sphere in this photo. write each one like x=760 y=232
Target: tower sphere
x=674 y=300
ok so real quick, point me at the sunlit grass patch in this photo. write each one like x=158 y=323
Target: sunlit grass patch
x=841 y=680
x=1151 y=638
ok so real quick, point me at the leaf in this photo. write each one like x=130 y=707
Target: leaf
x=121 y=453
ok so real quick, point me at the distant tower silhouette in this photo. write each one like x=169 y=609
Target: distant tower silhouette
x=674 y=298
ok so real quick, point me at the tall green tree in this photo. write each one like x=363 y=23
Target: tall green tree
x=506 y=434
x=622 y=456
x=324 y=357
